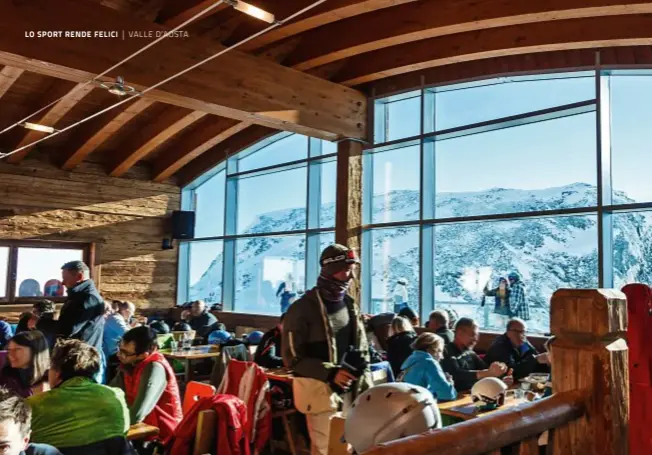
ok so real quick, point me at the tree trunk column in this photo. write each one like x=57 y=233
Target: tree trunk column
x=348 y=205
x=590 y=353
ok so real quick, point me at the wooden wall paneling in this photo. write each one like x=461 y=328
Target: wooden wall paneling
x=125 y=219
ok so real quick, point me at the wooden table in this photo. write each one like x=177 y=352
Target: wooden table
x=141 y=431
x=194 y=353
x=463 y=407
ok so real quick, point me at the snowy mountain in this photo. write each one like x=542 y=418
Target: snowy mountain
x=549 y=252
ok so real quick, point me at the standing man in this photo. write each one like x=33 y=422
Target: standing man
x=82 y=315
x=324 y=340
x=518 y=305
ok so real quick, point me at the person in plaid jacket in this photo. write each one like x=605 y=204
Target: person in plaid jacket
x=518 y=306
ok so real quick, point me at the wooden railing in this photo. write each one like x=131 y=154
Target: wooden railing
x=517 y=429
x=589 y=410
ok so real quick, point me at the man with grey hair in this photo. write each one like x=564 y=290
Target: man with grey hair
x=513 y=349
x=82 y=315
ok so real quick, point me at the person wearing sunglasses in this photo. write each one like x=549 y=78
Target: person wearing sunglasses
x=148 y=381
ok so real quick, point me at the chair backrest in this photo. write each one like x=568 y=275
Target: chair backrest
x=205 y=433
x=195 y=391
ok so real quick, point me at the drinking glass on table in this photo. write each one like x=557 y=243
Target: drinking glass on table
x=187 y=341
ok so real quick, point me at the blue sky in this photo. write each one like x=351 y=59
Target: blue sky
x=535 y=156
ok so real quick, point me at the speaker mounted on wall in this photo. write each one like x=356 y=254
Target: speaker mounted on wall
x=183 y=225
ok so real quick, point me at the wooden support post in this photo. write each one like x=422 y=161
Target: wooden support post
x=591 y=353
x=348 y=205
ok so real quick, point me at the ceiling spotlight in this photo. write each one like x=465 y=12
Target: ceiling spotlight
x=118 y=87
x=251 y=10
x=37 y=127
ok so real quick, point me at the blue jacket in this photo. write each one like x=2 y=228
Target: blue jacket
x=422 y=369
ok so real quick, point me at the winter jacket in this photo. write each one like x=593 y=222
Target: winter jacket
x=309 y=347
x=227 y=353
x=17 y=381
x=5 y=334
x=462 y=365
x=203 y=324
x=501 y=299
x=521 y=360
x=518 y=305
x=48 y=327
x=78 y=412
x=248 y=381
x=82 y=315
x=167 y=413
x=446 y=334
x=229 y=433
x=268 y=352
x=115 y=327
x=422 y=369
x=399 y=349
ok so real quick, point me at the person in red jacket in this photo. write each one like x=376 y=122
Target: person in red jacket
x=149 y=382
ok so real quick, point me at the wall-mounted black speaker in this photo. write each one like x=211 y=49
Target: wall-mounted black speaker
x=183 y=224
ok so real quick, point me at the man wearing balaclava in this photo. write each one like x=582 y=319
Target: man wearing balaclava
x=325 y=345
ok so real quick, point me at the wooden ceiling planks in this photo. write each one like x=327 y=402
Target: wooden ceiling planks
x=422 y=20
x=176 y=13
x=250 y=90
x=8 y=76
x=51 y=117
x=198 y=142
x=111 y=128
x=596 y=32
x=224 y=149
x=171 y=123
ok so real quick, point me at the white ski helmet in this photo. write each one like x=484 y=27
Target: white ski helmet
x=489 y=392
x=390 y=411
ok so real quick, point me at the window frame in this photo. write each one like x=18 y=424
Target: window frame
x=603 y=208
x=88 y=255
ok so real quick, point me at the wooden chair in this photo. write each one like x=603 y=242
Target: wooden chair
x=287 y=428
x=195 y=391
x=205 y=433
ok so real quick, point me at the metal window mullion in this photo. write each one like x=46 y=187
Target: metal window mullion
x=312 y=259
x=605 y=188
x=366 y=270
x=188 y=202
x=229 y=246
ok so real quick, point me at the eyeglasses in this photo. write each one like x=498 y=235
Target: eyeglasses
x=123 y=353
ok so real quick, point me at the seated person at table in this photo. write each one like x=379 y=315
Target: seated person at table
x=410 y=315
x=116 y=325
x=462 y=363
x=422 y=367
x=28 y=361
x=79 y=416
x=399 y=345
x=269 y=351
x=26 y=322
x=149 y=382
x=513 y=349
x=15 y=427
x=45 y=323
x=378 y=328
x=200 y=319
x=438 y=323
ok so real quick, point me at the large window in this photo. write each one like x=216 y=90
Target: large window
x=545 y=177
x=32 y=269
x=263 y=218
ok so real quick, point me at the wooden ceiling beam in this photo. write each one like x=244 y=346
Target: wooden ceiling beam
x=177 y=12
x=610 y=31
x=120 y=119
x=544 y=62
x=326 y=13
x=8 y=76
x=230 y=146
x=422 y=20
x=50 y=118
x=171 y=123
x=199 y=142
x=249 y=88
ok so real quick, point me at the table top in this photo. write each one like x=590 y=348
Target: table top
x=463 y=407
x=141 y=431
x=196 y=352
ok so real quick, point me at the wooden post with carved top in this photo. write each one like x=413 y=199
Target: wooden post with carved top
x=590 y=353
